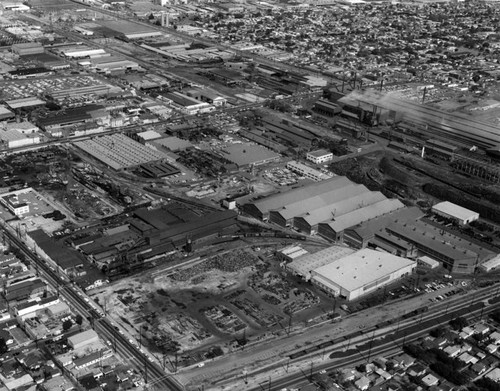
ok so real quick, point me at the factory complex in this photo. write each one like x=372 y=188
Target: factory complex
x=344 y=212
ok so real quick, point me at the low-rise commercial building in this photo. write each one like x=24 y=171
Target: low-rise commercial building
x=83 y=339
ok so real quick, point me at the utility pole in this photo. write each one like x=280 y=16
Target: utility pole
x=371 y=345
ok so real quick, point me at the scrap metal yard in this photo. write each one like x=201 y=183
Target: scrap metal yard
x=221 y=301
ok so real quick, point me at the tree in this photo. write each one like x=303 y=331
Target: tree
x=78 y=320
x=67 y=324
x=3 y=346
x=459 y=323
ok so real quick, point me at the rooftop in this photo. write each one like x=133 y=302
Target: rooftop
x=306 y=263
x=246 y=154
x=358 y=269
x=454 y=210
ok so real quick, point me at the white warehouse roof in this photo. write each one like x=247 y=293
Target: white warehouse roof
x=455 y=211
x=361 y=268
x=306 y=263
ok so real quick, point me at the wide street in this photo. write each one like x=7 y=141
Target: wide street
x=154 y=376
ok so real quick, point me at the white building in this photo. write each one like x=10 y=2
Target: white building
x=455 y=212
x=83 y=339
x=14 y=205
x=13 y=138
x=491 y=264
x=361 y=273
x=320 y=156
x=427 y=262
x=307 y=172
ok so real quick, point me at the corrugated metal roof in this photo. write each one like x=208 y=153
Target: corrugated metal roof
x=359 y=197
x=369 y=212
x=305 y=193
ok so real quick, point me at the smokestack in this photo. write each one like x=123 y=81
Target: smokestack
x=423 y=153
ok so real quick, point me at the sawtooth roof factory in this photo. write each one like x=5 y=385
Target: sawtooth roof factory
x=328 y=207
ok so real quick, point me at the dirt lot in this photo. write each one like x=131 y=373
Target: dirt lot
x=213 y=303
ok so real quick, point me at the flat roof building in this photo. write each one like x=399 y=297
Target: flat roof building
x=307 y=172
x=455 y=212
x=83 y=339
x=244 y=155
x=361 y=273
x=320 y=156
x=457 y=254
x=304 y=265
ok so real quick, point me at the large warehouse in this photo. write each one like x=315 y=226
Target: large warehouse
x=119 y=151
x=260 y=208
x=328 y=207
x=334 y=229
x=361 y=273
x=457 y=254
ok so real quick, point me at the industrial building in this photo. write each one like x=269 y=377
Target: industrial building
x=67 y=260
x=244 y=155
x=55 y=123
x=430 y=121
x=83 y=339
x=455 y=212
x=260 y=208
x=307 y=172
x=12 y=138
x=172 y=143
x=23 y=103
x=186 y=104
x=320 y=156
x=285 y=216
x=334 y=229
x=361 y=273
x=118 y=151
x=205 y=95
x=84 y=52
x=456 y=253
x=364 y=234
x=491 y=264
x=110 y=64
x=427 y=262
x=27 y=48
x=303 y=266
x=289 y=253
x=347 y=200
x=5 y=113
x=327 y=208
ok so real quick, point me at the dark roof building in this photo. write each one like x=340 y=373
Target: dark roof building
x=66 y=259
